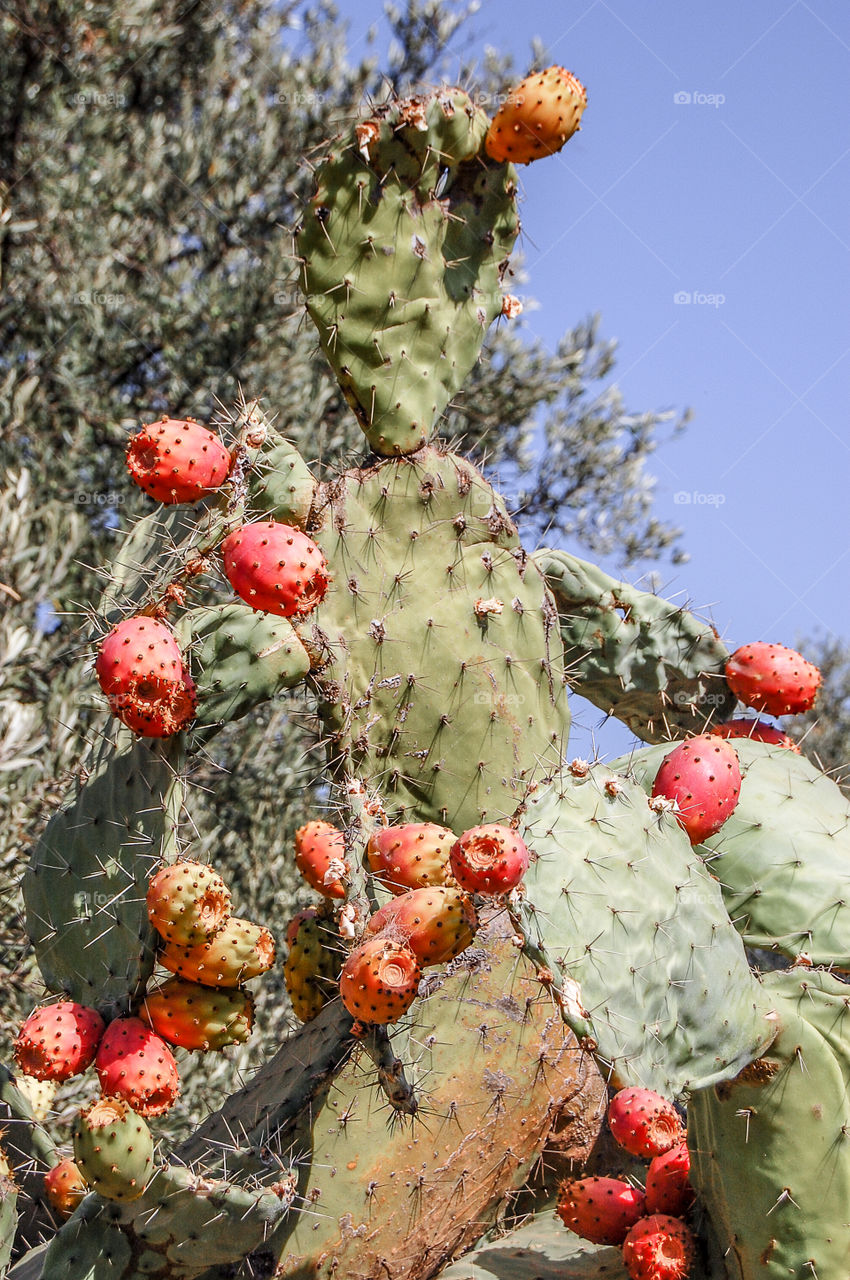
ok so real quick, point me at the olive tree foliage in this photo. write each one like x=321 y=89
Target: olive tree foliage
x=824 y=732
x=155 y=160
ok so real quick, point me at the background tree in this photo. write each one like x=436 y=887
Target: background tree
x=824 y=732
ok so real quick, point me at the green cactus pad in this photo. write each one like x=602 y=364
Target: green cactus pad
x=783 y=857
x=281 y=486
x=652 y=664
x=8 y=1212
x=542 y=1249
x=770 y=1152
x=445 y=684
x=404 y=247
x=617 y=902
x=84 y=890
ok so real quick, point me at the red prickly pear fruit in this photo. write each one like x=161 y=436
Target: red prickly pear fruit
x=187 y=902
x=667 y=1187
x=320 y=857
x=602 y=1210
x=236 y=953
x=644 y=1123
x=134 y=1064
x=275 y=568
x=177 y=460
x=538 y=117
x=659 y=1247
x=772 y=678
x=58 y=1041
x=195 y=1017
x=490 y=859
x=437 y=922
x=65 y=1187
x=411 y=856
x=703 y=776
x=379 y=980
x=140 y=668
x=756 y=731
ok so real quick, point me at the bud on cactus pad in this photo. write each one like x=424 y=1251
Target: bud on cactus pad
x=659 y=1248
x=668 y=1189
x=140 y=669
x=312 y=966
x=437 y=923
x=379 y=980
x=58 y=1041
x=238 y=952
x=644 y=1123
x=410 y=856
x=703 y=777
x=187 y=902
x=134 y=1064
x=320 y=857
x=113 y=1149
x=64 y=1187
x=539 y=116
x=275 y=568
x=599 y=1209
x=196 y=1017
x=490 y=859
x=756 y=731
x=176 y=461
x=774 y=679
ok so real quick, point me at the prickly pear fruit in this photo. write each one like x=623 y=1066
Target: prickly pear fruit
x=772 y=678
x=275 y=568
x=379 y=980
x=134 y=1064
x=489 y=859
x=239 y=951
x=410 y=856
x=177 y=461
x=320 y=857
x=113 y=1149
x=668 y=1189
x=187 y=902
x=64 y=1187
x=659 y=1247
x=58 y=1041
x=539 y=116
x=644 y=1123
x=140 y=669
x=703 y=777
x=38 y=1093
x=599 y=1209
x=312 y=966
x=437 y=923
x=192 y=1016
x=756 y=731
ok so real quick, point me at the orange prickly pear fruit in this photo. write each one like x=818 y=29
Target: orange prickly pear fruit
x=538 y=117
x=320 y=857
x=410 y=856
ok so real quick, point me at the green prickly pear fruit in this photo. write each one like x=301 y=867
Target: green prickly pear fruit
x=113 y=1149
x=193 y=1016
x=239 y=951
x=38 y=1093
x=187 y=902
x=58 y=1041
x=379 y=980
x=489 y=859
x=312 y=966
x=437 y=922
x=320 y=857
x=538 y=117
x=64 y=1187
x=410 y=856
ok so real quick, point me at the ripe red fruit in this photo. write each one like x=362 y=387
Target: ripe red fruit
x=65 y=1187
x=703 y=776
x=379 y=980
x=140 y=668
x=410 y=856
x=644 y=1123
x=489 y=859
x=177 y=461
x=134 y=1064
x=275 y=568
x=667 y=1187
x=756 y=731
x=659 y=1248
x=58 y=1041
x=320 y=857
x=436 y=922
x=538 y=117
x=599 y=1209
x=187 y=902
x=772 y=678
